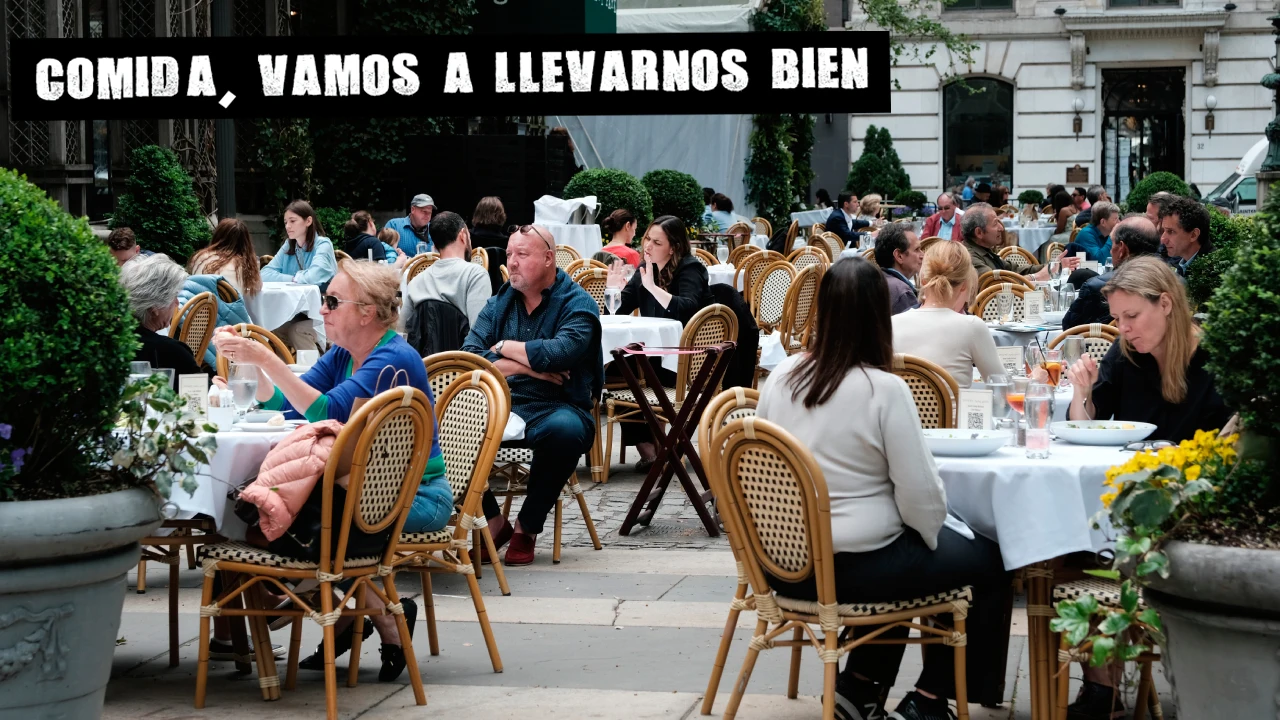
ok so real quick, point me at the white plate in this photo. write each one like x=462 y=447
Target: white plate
x=288 y=426
x=300 y=368
x=1101 y=432
x=1053 y=317
x=965 y=443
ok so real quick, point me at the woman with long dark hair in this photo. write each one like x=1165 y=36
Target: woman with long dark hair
x=1063 y=210
x=621 y=226
x=230 y=254
x=888 y=505
x=670 y=284
x=306 y=258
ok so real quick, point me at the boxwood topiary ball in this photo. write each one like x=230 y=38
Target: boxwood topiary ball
x=613 y=189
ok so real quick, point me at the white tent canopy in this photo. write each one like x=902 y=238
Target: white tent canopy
x=712 y=148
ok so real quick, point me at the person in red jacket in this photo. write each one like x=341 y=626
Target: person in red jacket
x=946 y=222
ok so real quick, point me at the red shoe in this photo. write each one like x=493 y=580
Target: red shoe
x=502 y=538
x=521 y=550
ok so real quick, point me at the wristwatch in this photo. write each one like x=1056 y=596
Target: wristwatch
x=498 y=348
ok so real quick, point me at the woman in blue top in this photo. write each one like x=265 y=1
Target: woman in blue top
x=306 y=258
x=360 y=312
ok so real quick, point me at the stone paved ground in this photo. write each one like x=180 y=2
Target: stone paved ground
x=627 y=632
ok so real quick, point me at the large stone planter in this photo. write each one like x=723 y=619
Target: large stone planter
x=62 y=582
x=1221 y=612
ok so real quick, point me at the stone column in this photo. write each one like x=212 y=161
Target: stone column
x=1270 y=171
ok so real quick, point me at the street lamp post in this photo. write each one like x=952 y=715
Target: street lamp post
x=1270 y=171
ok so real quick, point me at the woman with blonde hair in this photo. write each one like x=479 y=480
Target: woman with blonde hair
x=940 y=330
x=869 y=208
x=1156 y=373
x=230 y=254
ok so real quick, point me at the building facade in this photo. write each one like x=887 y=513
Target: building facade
x=1077 y=92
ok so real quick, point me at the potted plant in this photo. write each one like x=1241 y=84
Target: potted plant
x=77 y=492
x=1030 y=197
x=1199 y=525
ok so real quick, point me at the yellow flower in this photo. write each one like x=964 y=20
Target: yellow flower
x=1192 y=473
x=1108 y=498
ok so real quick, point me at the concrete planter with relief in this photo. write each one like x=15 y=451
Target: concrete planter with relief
x=63 y=565
x=1221 y=612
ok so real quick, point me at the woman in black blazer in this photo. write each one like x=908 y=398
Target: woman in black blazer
x=671 y=284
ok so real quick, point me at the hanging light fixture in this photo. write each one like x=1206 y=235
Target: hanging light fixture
x=1077 y=123
x=1210 y=102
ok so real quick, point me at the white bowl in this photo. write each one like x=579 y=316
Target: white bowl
x=949 y=442
x=1101 y=432
x=1053 y=317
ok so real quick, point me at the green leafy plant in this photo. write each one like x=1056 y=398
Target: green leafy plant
x=1207 y=269
x=675 y=193
x=917 y=33
x=1152 y=184
x=331 y=221
x=158 y=443
x=790 y=16
x=1242 y=332
x=160 y=205
x=613 y=189
x=281 y=154
x=913 y=199
x=1030 y=197
x=769 y=168
x=801 y=149
x=878 y=169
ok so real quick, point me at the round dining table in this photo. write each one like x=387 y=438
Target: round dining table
x=620 y=330
x=586 y=239
x=723 y=274
x=1030 y=239
x=279 y=302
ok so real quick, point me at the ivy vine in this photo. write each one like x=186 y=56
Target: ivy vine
x=769 y=168
x=801 y=156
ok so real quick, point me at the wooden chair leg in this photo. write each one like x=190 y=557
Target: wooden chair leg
x=330 y=672
x=475 y=550
x=962 y=680
x=555 y=548
x=608 y=445
x=793 y=682
x=260 y=632
x=576 y=488
x=1063 y=681
x=202 y=664
x=357 y=639
x=1146 y=689
x=429 y=610
x=482 y=615
x=173 y=611
x=493 y=556
x=829 y=672
x=411 y=659
x=142 y=576
x=726 y=639
x=744 y=675
x=1153 y=702
x=191 y=556
x=295 y=649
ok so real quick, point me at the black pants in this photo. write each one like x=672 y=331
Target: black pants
x=907 y=568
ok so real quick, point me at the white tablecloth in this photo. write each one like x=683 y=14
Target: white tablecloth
x=1036 y=509
x=809 y=217
x=620 y=330
x=238 y=457
x=771 y=352
x=1030 y=239
x=760 y=241
x=1007 y=338
x=279 y=302
x=586 y=239
x=722 y=274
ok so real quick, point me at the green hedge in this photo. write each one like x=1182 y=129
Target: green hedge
x=675 y=193
x=66 y=339
x=913 y=199
x=878 y=169
x=160 y=205
x=1156 y=182
x=769 y=168
x=1030 y=197
x=614 y=189
x=331 y=221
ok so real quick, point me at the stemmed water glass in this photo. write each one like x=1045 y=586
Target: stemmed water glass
x=139 y=370
x=1072 y=351
x=244 y=387
x=722 y=253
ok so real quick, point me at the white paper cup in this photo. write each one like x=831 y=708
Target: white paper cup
x=223 y=417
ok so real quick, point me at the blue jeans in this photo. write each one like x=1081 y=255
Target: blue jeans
x=559 y=435
x=432 y=507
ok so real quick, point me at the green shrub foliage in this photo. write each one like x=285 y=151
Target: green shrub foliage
x=160 y=205
x=913 y=199
x=1030 y=197
x=66 y=339
x=675 y=193
x=331 y=221
x=1227 y=234
x=769 y=168
x=1152 y=184
x=801 y=150
x=615 y=189
x=1242 y=333
x=878 y=170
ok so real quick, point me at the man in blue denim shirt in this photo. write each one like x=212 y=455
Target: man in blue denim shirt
x=414 y=227
x=542 y=331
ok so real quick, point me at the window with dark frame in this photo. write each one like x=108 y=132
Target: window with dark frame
x=1143 y=3
x=980 y=5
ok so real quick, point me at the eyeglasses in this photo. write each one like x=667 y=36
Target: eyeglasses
x=331 y=302
x=1141 y=445
x=527 y=229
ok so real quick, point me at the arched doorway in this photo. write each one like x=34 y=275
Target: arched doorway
x=977 y=131
x=1143 y=125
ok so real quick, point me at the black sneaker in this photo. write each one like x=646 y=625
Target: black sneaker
x=341 y=644
x=859 y=700
x=1093 y=702
x=393 y=660
x=918 y=707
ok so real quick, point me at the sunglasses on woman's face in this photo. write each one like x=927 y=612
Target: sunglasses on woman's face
x=331 y=302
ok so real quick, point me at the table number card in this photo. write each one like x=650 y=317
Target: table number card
x=195 y=388
x=1011 y=358
x=975 y=410
x=1033 y=308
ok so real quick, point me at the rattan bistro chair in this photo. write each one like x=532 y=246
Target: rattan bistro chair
x=194 y=322
x=740 y=253
x=997 y=277
x=762 y=226
x=772 y=495
x=340 y=255
x=1017 y=258
x=934 y=390
x=566 y=254
x=418 y=265
x=1053 y=250
x=808 y=255
x=710 y=326
x=391 y=435
x=265 y=260
x=1098 y=339
x=769 y=294
x=738 y=235
x=470 y=413
x=705 y=257
x=594 y=281
x=480 y=257
x=929 y=242
x=797 y=316
x=986 y=307
x=732 y=404
x=264 y=337
x=753 y=268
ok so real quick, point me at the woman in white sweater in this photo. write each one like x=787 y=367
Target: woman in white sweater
x=887 y=500
x=939 y=330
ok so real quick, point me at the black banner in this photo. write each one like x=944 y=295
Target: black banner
x=659 y=74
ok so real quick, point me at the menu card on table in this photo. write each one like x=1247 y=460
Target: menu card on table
x=1011 y=359
x=195 y=388
x=1033 y=308
x=975 y=410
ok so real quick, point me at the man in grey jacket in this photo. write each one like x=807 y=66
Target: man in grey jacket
x=453 y=278
x=899 y=257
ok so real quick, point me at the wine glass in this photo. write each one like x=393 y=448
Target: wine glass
x=1034 y=357
x=722 y=253
x=1004 y=307
x=244 y=387
x=139 y=371
x=1072 y=350
x=612 y=299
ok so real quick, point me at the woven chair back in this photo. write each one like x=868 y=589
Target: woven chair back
x=470 y=415
x=736 y=403
x=1007 y=210
x=712 y=325
x=808 y=255
x=262 y=336
x=802 y=300
x=265 y=260
x=1000 y=277
x=1098 y=339
x=738 y=254
x=705 y=257
x=418 y=265
x=1072 y=237
x=793 y=231
x=392 y=435
x=445 y=367
x=594 y=281
x=870 y=256
x=506 y=276
x=817 y=228
x=480 y=257
x=1053 y=250
x=739 y=235
x=193 y=323
x=227 y=292
x=933 y=389
x=747 y=271
x=762 y=226
x=929 y=242
x=987 y=307
x=575 y=267
x=769 y=294
x=565 y=254
x=1017 y=258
